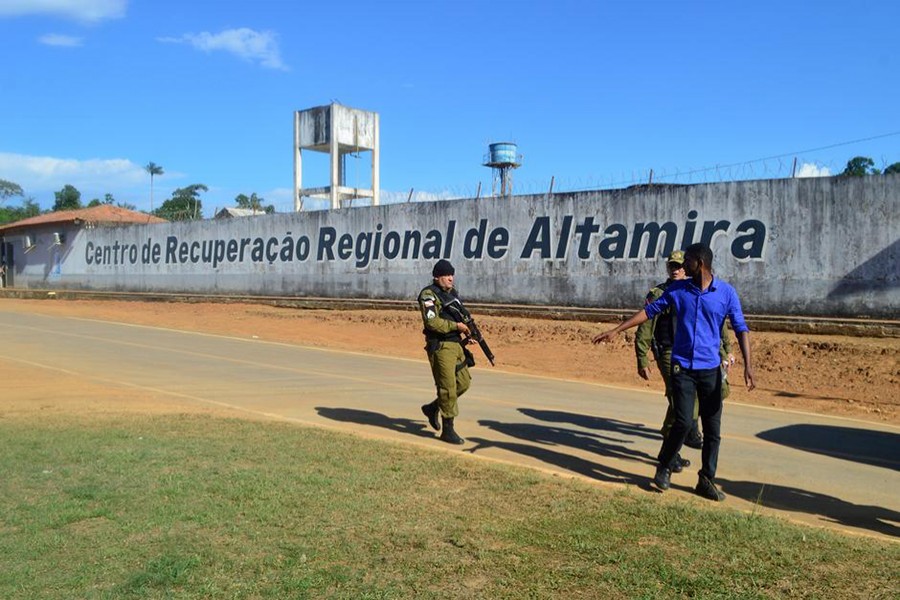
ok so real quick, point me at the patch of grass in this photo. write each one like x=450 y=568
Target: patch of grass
x=161 y=572
x=199 y=507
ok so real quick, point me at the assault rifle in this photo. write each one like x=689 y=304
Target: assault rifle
x=462 y=315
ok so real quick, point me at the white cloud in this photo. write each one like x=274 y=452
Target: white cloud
x=281 y=198
x=36 y=173
x=90 y=11
x=55 y=39
x=250 y=45
x=812 y=170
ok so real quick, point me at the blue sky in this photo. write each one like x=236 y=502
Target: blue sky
x=595 y=94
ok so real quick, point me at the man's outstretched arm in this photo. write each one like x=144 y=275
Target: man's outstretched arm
x=633 y=321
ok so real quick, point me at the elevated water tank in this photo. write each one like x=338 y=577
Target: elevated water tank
x=501 y=154
x=502 y=158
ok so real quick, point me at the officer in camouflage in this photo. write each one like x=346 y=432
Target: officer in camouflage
x=445 y=339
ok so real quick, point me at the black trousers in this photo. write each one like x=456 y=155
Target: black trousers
x=706 y=386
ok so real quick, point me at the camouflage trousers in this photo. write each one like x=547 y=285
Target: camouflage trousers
x=451 y=376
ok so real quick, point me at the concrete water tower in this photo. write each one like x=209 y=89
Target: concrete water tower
x=502 y=159
x=339 y=131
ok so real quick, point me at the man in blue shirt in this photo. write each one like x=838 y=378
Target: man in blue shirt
x=701 y=304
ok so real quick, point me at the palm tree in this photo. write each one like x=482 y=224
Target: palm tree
x=153 y=169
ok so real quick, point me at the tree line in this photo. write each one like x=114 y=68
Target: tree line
x=185 y=203
x=859 y=166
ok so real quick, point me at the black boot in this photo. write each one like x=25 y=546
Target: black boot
x=431 y=411
x=662 y=478
x=679 y=464
x=448 y=434
x=706 y=488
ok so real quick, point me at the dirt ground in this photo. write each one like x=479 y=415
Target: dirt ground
x=834 y=375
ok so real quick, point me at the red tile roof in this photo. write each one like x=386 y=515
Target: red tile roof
x=103 y=214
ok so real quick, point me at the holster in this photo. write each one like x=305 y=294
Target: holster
x=470 y=358
x=432 y=345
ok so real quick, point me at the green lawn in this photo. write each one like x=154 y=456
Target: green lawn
x=202 y=507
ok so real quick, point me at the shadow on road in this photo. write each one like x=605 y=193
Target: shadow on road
x=873 y=518
x=868 y=446
x=570 y=463
x=878 y=448
x=366 y=417
x=613 y=443
x=570 y=438
x=536 y=435
x=596 y=423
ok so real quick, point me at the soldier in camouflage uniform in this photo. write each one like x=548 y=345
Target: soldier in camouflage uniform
x=445 y=339
x=657 y=336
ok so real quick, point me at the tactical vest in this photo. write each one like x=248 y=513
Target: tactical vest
x=664 y=330
x=444 y=298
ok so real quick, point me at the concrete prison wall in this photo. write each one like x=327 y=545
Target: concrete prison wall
x=817 y=247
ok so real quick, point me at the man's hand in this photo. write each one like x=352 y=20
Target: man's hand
x=463 y=328
x=748 y=378
x=644 y=372
x=604 y=337
x=636 y=319
x=729 y=360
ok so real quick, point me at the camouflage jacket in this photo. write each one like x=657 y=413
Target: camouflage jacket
x=438 y=324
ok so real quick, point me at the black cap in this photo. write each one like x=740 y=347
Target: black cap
x=441 y=268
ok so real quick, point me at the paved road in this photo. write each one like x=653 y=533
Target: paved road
x=804 y=467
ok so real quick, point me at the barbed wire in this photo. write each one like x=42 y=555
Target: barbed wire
x=798 y=164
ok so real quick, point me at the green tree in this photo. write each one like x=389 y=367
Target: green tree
x=253 y=202
x=8 y=189
x=11 y=214
x=893 y=169
x=153 y=169
x=107 y=199
x=859 y=166
x=184 y=205
x=67 y=198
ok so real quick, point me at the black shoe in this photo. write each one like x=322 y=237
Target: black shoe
x=694 y=440
x=431 y=411
x=662 y=477
x=679 y=464
x=707 y=489
x=449 y=434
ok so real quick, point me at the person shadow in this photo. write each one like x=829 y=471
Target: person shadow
x=539 y=441
x=367 y=417
x=538 y=438
x=574 y=464
x=613 y=426
x=866 y=446
x=572 y=438
x=873 y=518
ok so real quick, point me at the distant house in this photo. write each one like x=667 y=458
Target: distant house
x=36 y=244
x=230 y=212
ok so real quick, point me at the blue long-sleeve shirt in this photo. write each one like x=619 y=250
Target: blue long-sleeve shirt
x=699 y=316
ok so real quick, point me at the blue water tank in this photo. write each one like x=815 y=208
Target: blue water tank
x=503 y=153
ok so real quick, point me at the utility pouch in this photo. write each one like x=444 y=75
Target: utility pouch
x=470 y=358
